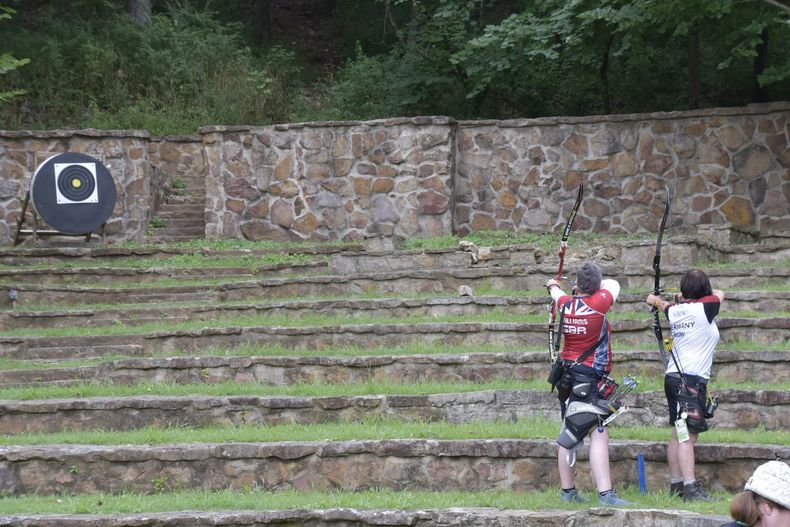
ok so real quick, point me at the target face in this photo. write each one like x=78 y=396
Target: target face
x=73 y=193
x=76 y=183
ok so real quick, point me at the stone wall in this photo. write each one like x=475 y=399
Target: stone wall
x=124 y=153
x=327 y=181
x=726 y=166
x=729 y=168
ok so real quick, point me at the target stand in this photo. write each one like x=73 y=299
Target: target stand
x=73 y=194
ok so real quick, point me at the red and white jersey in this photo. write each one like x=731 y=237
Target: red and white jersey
x=695 y=334
x=584 y=324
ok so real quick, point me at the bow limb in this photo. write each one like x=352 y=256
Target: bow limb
x=662 y=348
x=566 y=232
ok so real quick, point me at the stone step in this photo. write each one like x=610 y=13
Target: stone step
x=363 y=307
x=183 y=222
x=468 y=517
x=445 y=281
x=113 y=275
x=738 y=409
x=729 y=366
x=175 y=238
x=768 y=331
x=175 y=215
x=195 y=229
x=415 y=464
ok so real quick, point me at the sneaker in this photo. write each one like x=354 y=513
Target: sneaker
x=572 y=496
x=676 y=489
x=611 y=498
x=695 y=492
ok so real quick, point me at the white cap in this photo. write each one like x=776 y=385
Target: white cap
x=772 y=481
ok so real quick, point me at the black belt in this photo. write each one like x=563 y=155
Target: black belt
x=693 y=378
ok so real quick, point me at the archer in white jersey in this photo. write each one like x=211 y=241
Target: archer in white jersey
x=695 y=335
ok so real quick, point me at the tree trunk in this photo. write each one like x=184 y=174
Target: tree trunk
x=603 y=73
x=140 y=10
x=262 y=20
x=760 y=93
x=694 y=67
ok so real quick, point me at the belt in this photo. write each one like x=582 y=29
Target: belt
x=693 y=378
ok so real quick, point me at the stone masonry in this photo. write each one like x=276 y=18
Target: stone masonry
x=729 y=168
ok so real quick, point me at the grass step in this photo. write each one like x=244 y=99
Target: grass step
x=327 y=332
x=434 y=306
x=445 y=281
x=738 y=367
x=111 y=275
x=738 y=409
x=416 y=464
x=372 y=508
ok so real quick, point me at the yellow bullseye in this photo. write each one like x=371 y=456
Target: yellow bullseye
x=76 y=183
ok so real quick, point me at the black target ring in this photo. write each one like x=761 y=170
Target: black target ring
x=73 y=193
x=76 y=183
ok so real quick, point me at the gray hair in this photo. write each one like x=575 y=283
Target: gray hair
x=588 y=278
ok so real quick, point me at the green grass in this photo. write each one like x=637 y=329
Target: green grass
x=234 y=244
x=245 y=261
x=372 y=387
x=544 y=241
x=498 y=315
x=374 y=429
x=257 y=500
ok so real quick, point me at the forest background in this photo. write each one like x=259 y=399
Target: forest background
x=172 y=66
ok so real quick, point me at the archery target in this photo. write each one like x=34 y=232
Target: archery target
x=73 y=193
x=76 y=183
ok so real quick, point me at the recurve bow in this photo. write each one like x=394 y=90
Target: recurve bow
x=662 y=348
x=566 y=232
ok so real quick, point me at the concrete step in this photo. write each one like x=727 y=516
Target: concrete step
x=738 y=409
x=734 y=367
x=416 y=464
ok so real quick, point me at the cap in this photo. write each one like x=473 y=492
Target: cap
x=772 y=481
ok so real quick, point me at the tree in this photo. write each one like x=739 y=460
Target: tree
x=8 y=62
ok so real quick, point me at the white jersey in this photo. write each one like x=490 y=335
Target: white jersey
x=695 y=335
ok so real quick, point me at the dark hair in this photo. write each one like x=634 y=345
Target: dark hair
x=695 y=284
x=588 y=278
x=743 y=508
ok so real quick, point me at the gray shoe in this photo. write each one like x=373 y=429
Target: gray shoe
x=676 y=489
x=695 y=492
x=612 y=499
x=572 y=496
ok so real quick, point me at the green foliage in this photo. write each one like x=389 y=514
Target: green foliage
x=181 y=71
x=91 y=65
x=8 y=62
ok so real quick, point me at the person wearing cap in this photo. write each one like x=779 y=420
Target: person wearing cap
x=695 y=335
x=586 y=330
x=765 y=501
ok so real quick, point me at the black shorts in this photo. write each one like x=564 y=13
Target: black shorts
x=672 y=384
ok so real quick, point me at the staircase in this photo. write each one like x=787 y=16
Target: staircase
x=342 y=377
x=180 y=216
